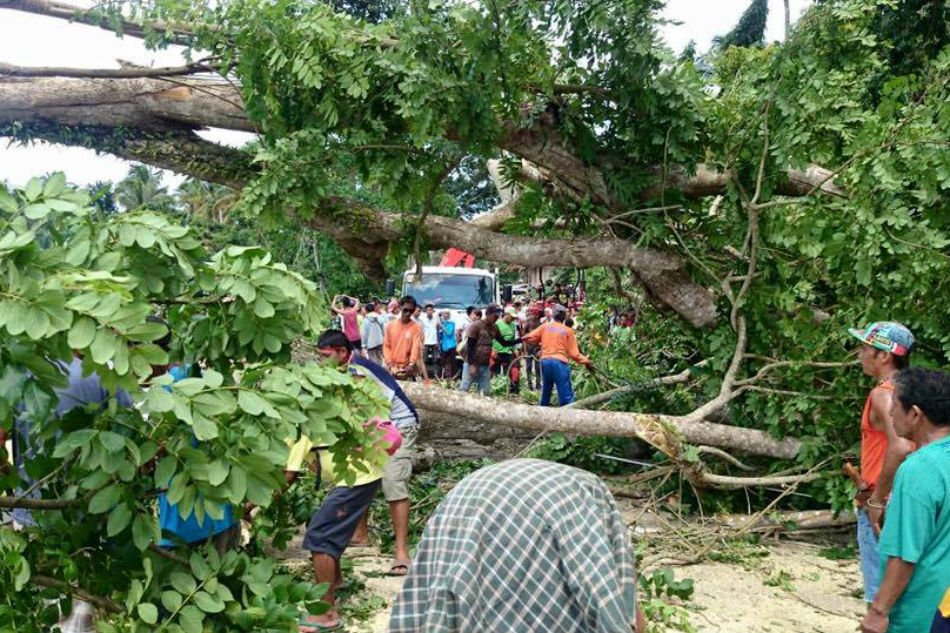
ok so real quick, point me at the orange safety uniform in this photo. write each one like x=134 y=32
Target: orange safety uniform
x=402 y=343
x=557 y=341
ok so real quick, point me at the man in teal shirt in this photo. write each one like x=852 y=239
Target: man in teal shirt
x=915 y=543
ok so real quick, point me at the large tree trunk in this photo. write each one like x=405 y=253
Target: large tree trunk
x=463 y=409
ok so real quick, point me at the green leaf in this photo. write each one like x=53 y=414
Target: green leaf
x=157 y=400
x=165 y=470
x=33 y=189
x=22 y=575
x=250 y=402
x=105 y=499
x=237 y=482
x=217 y=472
x=148 y=612
x=7 y=202
x=263 y=308
x=205 y=428
x=199 y=566
x=143 y=531
x=112 y=442
x=190 y=618
x=171 y=600
x=68 y=443
x=55 y=185
x=136 y=589
x=208 y=603
x=37 y=211
x=82 y=333
x=212 y=378
x=119 y=519
x=183 y=583
x=103 y=347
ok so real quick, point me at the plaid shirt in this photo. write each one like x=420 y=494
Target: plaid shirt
x=521 y=547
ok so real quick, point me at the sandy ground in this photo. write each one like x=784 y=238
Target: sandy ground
x=814 y=594
x=788 y=588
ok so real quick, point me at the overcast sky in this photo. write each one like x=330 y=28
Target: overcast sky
x=31 y=40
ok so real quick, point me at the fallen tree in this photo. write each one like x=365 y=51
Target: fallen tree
x=623 y=154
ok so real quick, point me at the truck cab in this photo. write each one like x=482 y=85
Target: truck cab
x=451 y=288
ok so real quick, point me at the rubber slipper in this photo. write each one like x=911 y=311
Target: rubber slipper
x=305 y=625
x=400 y=563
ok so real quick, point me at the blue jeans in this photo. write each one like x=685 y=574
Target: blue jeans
x=870 y=563
x=482 y=379
x=556 y=373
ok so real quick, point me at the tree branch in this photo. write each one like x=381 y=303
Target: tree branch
x=72 y=13
x=106 y=604
x=41 y=504
x=102 y=73
x=725 y=481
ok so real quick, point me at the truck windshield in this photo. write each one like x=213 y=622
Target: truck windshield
x=445 y=290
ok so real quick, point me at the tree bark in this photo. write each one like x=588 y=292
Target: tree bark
x=435 y=402
x=154 y=120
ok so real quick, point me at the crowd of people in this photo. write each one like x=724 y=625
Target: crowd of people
x=534 y=339
x=528 y=545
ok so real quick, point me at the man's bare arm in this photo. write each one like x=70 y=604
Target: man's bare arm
x=897 y=451
x=897 y=575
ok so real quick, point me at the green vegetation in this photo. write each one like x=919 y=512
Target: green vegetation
x=72 y=282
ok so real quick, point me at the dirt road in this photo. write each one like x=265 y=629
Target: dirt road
x=785 y=587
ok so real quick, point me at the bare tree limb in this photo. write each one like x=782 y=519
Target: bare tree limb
x=725 y=481
x=106 y=604
x=102 y=73
x=718 y=452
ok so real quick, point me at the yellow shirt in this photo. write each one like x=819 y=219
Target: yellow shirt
x=300 y=451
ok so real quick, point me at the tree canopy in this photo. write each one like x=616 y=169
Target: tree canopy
x=761 y=208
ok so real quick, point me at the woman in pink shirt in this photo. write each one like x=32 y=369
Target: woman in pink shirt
x=348 y=309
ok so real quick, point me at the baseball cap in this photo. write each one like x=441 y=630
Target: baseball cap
x=493 y=308
x=510 y=310
x=888 y=336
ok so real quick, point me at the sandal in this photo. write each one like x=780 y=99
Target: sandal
x=400 y=567
x=306 y=625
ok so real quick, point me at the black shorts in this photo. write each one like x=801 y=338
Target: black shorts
x=333 y=525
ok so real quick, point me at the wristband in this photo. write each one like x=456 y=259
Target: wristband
x=869 y=504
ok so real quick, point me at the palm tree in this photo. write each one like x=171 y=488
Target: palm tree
x=143 y=188
x=208 y=199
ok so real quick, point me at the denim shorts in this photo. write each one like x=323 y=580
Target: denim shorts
x=333 y=525
x=870 y=563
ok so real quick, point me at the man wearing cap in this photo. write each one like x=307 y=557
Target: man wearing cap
x=505 y=354
x=885 y=350
x=478 y=349
x=558 y=348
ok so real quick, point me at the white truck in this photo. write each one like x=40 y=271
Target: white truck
x=452 y=288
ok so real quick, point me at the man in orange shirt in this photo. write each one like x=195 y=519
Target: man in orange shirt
x=402 y=343
x=885 y=350
x=558 y=348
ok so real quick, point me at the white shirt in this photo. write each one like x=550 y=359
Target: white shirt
x=430 y=329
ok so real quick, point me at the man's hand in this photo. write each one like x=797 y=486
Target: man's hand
x=874 y=621
x=473 y=370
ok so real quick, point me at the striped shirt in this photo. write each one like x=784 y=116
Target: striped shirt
x=401 y=412
x=518 y=547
